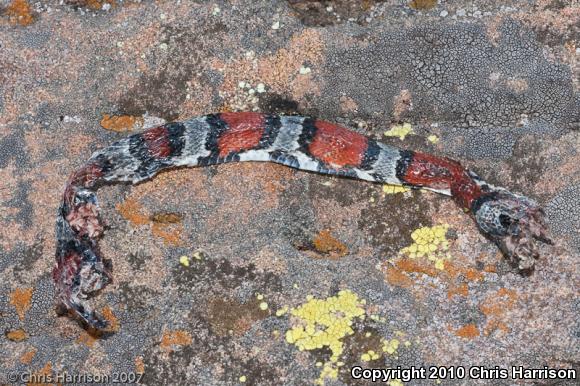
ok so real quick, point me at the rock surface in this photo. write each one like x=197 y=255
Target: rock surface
x=215 y=268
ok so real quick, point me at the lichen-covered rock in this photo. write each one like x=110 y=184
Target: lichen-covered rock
x=494 y=84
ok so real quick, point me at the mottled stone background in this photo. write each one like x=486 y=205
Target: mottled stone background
x=495 y=81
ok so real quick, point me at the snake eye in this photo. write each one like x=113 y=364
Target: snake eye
x=505 y=221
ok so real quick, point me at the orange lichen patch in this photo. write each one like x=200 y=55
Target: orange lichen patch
x=170 y=233
x=111 y=318
x=469 y=331
x=20 y=299
x=495 y=306
x=19 y=12
x=491 y=268
x=165 y=226
x=402 y=273
x=26 y=358
x=166 y=218
x=17 y=335
x=396 y=277
x=92 y=4
x=131 y=210
x=45 y=371
x=461 y=290
x=139 y=365
x=121 y=123
x=470 y=274
x=326 y=244
x=229 y=317
x=422 y=4
x=412 y=266
x=175 y=338
x=168 y=227
x=86 y=339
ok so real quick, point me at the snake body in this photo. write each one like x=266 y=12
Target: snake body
x=512 y=221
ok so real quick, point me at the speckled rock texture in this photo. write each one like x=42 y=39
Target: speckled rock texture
x=215 y=268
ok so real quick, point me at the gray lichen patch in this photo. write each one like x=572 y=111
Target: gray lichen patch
x=564 y=214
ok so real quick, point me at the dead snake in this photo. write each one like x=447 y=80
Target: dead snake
x=512 y=221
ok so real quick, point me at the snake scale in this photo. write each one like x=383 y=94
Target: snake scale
x=512 y=221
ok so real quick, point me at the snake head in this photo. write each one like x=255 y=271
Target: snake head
x=515 y=223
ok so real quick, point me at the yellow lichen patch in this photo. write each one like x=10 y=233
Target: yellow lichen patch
x=242 y=378
x=121 y=123
x=170 y=339
x=324 y=323
x=400 y=131
x=20 y=299
x=326 y=244
x=282 y=311
x=433 y=138
x=19 y=12
x=17 y=335
x=27 y=357
x=139 y=365
x=111 y=318
x=390 y=346
x=392 y=189
x=378 y=318
x=469 y=331
x=430 y=242
x=369 y=356
x=184 y=260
